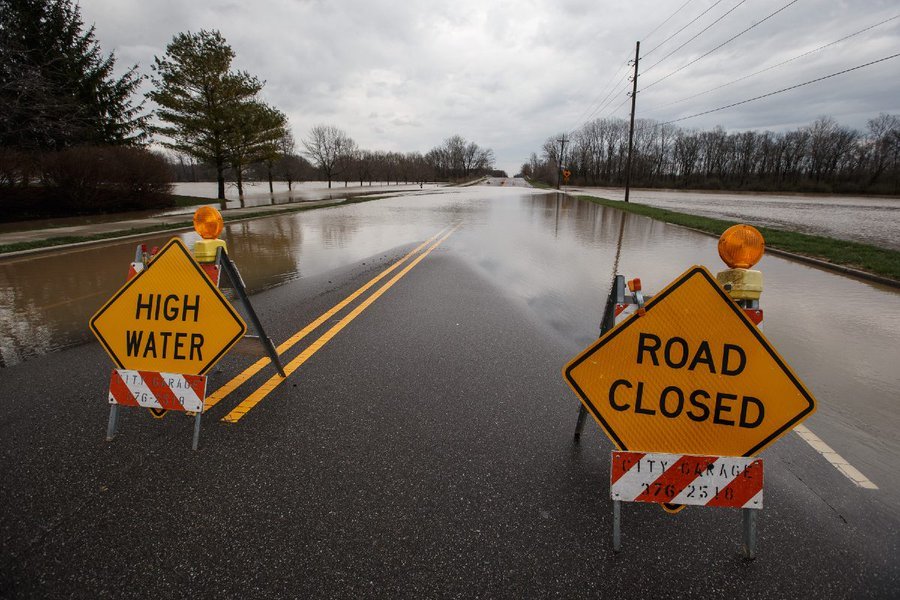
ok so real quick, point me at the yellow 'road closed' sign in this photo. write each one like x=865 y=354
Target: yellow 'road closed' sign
x=169 y=318
x=691 y=376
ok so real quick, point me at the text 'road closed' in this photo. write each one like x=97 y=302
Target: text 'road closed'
x=692 y=375
x=673 y=401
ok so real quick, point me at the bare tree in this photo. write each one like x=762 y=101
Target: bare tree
x=884 y=142
x=288 y=165
x=325 y=146
x=346 y=159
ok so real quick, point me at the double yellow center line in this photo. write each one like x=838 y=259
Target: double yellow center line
x=273 y=382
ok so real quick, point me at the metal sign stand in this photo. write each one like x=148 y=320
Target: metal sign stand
x=617 y=296
x=748 y=516
x=226 y=265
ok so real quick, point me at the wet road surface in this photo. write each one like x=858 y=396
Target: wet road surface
x=426 y=448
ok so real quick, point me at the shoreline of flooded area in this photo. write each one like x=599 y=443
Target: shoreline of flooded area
x=873 y=220
x=257 y=196
x=46 y=299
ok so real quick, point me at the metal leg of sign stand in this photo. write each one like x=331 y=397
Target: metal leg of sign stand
x=749 y=518
x=113 y=425
x=196 y=431
x=748 y=515
x=617 y=525
x=616 y=296
x=237 y=283
x=579 y=423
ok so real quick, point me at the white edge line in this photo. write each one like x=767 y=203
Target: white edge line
x=836 y=460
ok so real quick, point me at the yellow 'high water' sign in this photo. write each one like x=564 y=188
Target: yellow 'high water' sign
x=169 y=318
x=691 y=376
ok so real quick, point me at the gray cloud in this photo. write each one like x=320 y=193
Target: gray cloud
x=508 y=74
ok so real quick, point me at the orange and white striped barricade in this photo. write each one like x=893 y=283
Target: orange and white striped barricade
x=158 y=392
x=624 y=300
x=681 y=479
x=147 y=358
x=164 y=329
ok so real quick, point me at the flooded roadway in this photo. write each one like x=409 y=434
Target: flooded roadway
x=868 y=219
x=551 y=254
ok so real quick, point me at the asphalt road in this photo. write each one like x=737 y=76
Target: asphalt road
x=424 y=451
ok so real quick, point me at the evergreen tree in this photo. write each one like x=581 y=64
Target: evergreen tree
x=254 y=138
x=200 y=99
x=57 y=89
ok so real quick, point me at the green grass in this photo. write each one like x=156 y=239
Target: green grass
x=880 y=261
x=539 y=184
x=190 y=200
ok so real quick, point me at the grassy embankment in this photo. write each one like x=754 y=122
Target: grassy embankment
x=539 y=184
x=187 y=224
x=880 y=261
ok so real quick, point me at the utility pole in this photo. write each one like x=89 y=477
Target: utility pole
x=637 y=54
x=562 y=150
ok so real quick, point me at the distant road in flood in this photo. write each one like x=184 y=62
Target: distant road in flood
x=867 y=219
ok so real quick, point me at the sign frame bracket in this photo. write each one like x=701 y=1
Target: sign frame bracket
x=228 y=267
x=608 y=321
x=748 y=522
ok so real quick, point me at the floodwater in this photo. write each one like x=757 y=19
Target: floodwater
x=47 y=299
x=552 y=255
x=257 y=193
x=866 y=219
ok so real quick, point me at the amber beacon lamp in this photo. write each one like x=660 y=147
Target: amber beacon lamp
x=208 y=223
x=741 y=247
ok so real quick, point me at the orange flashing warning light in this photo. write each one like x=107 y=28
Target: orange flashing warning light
x=634 y=286
x=741 y=246
x=208 y=222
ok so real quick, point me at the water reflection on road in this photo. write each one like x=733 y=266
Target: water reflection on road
x=841 y=335
x=47 y=299
x=552 y=255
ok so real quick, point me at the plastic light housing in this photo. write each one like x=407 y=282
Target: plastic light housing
x=741 y=246
x=208 y=222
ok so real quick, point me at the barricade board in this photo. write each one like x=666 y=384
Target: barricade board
x=149 y=389
x=721 y=481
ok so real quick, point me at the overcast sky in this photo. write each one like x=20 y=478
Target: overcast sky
x=404 y=75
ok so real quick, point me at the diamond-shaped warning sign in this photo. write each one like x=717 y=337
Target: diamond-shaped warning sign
x=169 y=318
x=691 y=376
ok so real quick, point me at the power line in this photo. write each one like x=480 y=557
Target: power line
x=728 y=41
x=694 y=20
x=793 y=87
x=610 y=89
x=669 y=18
x=704 y=30
x=626 y=63
x=782 y=63
x=616 y=109
x=611 y=100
